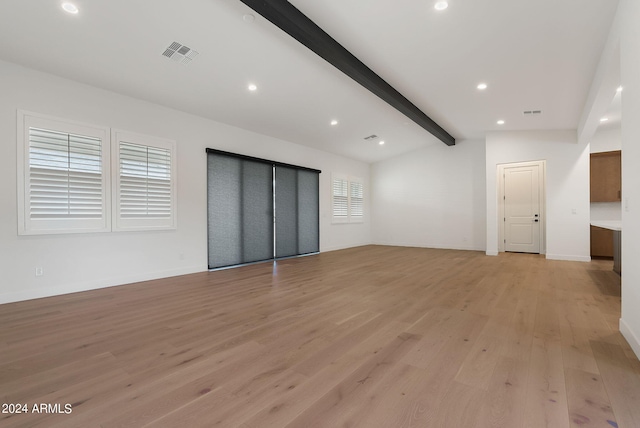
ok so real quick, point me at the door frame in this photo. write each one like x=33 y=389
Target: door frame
x=542 y=177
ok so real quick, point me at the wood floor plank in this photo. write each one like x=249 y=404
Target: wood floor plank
x=370 y=337
x=620 y=381
x=460 y=407
x=576 y=348
x=589 y=404
x=282 y=410
x=334 y=407
x=546 y=395
x=505 y=401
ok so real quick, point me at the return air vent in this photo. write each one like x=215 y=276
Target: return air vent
x=180 y=53
x=371 y=137
x=532 y=112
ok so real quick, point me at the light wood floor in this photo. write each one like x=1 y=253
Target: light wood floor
x=367 y=337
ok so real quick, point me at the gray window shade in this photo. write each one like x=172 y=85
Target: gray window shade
x=65 y=176
x=308 y=212
x=286 y=198
x=224 y=192
x=257 y=211
x=145 y=181
x=297 y=208
x=240 y=210
x=244 y=195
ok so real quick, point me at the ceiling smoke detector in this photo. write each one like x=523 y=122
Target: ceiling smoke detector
x=180 y=53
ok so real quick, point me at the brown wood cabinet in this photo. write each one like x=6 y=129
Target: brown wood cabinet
x=606 y=177
x=601 y=242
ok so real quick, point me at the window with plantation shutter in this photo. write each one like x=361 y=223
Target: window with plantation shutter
x=340 y=199
x=356 y=201
x=347 y=199
x=144 y=194
x=63 y=176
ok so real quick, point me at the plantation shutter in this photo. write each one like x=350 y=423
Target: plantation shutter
x=145 y=181
x=356 y=201
x=340 y=199
x=145 y=191
x=65 y=176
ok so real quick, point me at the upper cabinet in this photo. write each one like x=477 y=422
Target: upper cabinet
x=606 y=177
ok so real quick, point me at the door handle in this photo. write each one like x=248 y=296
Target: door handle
x=536 y=220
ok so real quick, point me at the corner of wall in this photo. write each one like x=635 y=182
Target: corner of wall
x=631 y=338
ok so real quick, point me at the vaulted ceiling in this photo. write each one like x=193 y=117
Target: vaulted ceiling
x=533 y=55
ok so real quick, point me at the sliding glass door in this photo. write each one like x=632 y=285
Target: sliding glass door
x=296 y=211
x=259 y=209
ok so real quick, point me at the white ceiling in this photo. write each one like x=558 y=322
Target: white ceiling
x=534 y=55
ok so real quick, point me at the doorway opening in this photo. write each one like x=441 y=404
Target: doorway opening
x=522 y=207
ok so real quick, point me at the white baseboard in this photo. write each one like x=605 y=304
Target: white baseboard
x=630 y=336
x=40 y=293
x=343 y=247
x=568 y=258
x=491 y=253
x=435 y=246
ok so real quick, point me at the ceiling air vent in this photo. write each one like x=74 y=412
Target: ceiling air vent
x=371 y=137
x=532 y=112
x=180 y=53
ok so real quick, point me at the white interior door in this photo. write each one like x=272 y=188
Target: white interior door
x=522 y=208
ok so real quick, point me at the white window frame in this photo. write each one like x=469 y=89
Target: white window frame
x=33 y=226
x=121 y=223
x=350 y=217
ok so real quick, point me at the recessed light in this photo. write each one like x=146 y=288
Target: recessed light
x=334 y=122
x=381 y=143
x=500 y=122
x=619 y=89
x=482 y=86
x=441 y=5
x=70 y=8
x=252 y=87
x=604 y=119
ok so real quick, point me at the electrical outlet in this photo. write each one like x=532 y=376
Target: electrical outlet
x=39 y=271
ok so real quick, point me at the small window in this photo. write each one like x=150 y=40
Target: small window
x=63 y=177
x=356 y=201
x=144 y=194
x=347 y=199
x=340 y=199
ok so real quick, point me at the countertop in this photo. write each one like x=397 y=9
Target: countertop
x=608 y=224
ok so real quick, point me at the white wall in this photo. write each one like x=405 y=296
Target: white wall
x=432 y=197
x=629 y=16
x=606 y=139
x=606 y=211
x=567 y=187
x=76 y=262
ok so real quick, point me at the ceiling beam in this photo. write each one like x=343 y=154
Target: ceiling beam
x=293 y=22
